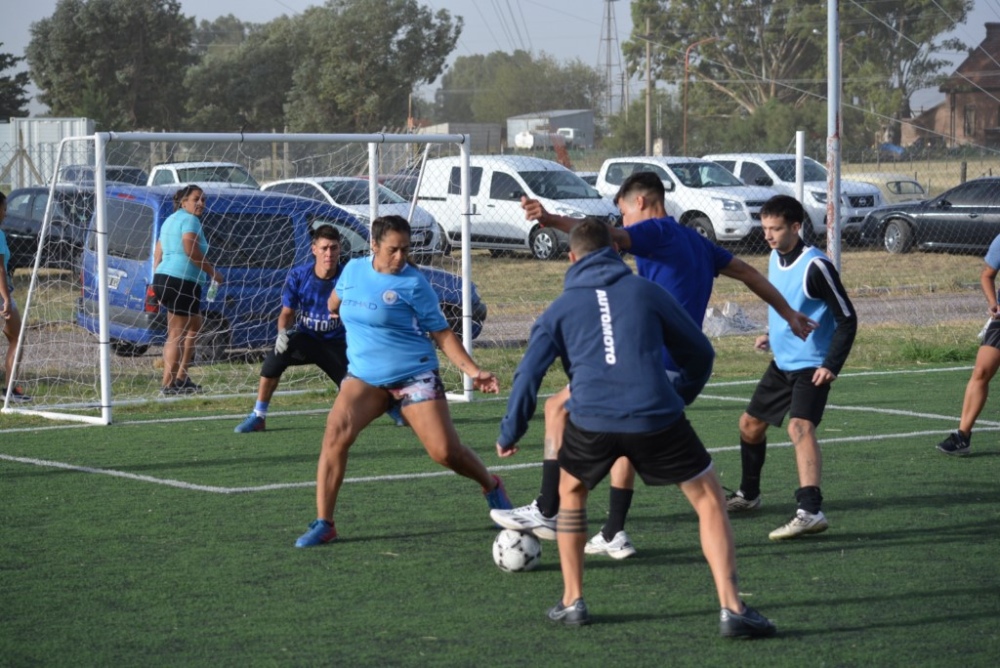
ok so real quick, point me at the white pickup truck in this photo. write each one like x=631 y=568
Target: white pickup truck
x=699 y=194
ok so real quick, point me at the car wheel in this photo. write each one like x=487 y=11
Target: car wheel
x=897 y=237
x=703 y=226
x=128 y=349
x=544 y=244
x=213 y=341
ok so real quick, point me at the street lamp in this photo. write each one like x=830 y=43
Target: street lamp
x=684 y=104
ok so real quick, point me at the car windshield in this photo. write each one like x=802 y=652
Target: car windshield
x=77 y=207
x=557 y=184
x=785 y=169
x=404 y=186
x=350 y=193
x=704 y=175
x=217 y=174
x=131 y=175
x=255 y=241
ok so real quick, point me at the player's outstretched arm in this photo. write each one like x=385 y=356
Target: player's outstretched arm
x=800 y=323
x=484 y=381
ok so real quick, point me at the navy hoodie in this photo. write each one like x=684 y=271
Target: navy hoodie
x=609 y=328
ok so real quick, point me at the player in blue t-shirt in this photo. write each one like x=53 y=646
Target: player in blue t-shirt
x=393 y=322
x=684 y=263
x=8 y=311
x=307 y=332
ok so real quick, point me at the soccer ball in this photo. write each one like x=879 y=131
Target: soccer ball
x=515 y=552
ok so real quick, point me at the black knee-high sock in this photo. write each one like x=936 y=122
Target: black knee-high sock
x=752 y=456
x=620 y=502
x=809 y=499
x=548 y=498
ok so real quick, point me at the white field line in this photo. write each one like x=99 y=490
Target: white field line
x=986 y=426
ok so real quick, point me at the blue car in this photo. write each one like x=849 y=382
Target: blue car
x=254 y=239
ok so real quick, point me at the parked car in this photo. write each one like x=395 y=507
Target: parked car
x=201 y=173
x=119 y=173
x=352 y=194
x=496 y=185
x=254 y=238
x=895 y=188
x=964 y=219
x=70 y=213
x=777 y=171
x=589 y=177
x=404 y=185
x=699 y=194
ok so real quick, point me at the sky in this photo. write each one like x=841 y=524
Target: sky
x=564 y=29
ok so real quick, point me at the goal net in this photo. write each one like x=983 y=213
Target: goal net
x=91 y=339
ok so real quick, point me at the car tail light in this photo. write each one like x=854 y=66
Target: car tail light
x=152 y=303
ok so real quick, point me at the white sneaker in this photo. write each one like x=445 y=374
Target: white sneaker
x=620 y=546
x=528 y=519
x=801 y=524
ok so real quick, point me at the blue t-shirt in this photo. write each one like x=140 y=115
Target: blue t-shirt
x=993 y=254
x=387 y=317
x=175 y=261
x=679 y=260
x=5 y=251
x=308 y=295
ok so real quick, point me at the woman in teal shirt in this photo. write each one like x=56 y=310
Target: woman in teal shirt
x=179 y=263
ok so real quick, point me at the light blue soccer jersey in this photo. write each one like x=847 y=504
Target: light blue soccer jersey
x=790 y=352
x=308 y=295
x=5 y=251
x=175 y=261
x=387 y=317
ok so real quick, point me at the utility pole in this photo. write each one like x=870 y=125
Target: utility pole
x=649 y=91
x=612 y=55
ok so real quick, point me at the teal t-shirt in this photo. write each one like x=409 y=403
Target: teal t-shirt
x=5 y=251
x=175 y=261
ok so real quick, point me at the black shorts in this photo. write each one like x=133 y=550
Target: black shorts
x=991 y=337
x=666 y=457
x=330 y=356
x=177 y=295
x=792 y=392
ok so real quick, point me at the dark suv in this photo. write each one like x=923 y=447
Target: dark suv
x=72 y=207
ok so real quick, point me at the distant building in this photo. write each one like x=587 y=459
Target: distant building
x=29 y=148
x=970 y=113
x=486 y=137
x=545 y=122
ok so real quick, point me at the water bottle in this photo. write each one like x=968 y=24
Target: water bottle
x=213 y=290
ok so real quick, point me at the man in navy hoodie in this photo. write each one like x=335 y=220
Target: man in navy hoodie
x=609 y=329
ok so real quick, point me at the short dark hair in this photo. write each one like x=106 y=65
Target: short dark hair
x=324 y=231
x=785 y=207
x=589 y=236
x=3 y=198
x=647 y=184
x=184 y=193
x=385 y=224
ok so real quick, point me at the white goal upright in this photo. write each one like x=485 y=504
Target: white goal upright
x=74 y=369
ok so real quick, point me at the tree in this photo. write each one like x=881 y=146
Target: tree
x=365 y=59
x=627 y=131
x=120 y=62
x=13 y=88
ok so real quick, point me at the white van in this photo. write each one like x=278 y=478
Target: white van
x=699 y=194
x=496 y=184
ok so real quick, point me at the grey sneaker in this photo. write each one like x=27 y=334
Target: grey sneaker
x=619 y=547
x=802 y=523
x=528 y=519
x=956 y=444
x=737 y=502
x=574 y=615
x=750 y=624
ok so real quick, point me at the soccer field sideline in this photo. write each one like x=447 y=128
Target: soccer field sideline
x=985 y=425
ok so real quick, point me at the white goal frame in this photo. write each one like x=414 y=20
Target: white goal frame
x=101 y=141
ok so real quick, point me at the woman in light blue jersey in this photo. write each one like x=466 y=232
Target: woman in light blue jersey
x=180 y=268
x=393 y=321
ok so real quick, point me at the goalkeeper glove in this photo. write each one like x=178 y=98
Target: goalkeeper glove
x=281 y=343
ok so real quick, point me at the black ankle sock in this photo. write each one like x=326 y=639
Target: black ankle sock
x=548 y=498
x=752 y=456
x=809 y=499
x=620 y=502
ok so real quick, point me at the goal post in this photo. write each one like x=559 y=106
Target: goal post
x=70 y=358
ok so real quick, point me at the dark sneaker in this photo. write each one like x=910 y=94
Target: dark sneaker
x=320 y=532
x=750 y=624
x=18 y=397
x=497 y=498
x=187 y=386
x=574 y=615
x=253 y=423
x=737 y=502
x=956 y=444
x=169 y=391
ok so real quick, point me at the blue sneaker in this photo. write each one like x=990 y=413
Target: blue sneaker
x=253 y=423
x=497 y=499
x=396 y=414
x=320 y=532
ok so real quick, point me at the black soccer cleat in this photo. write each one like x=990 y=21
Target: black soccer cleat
x=956 y=444
x=574 y=615
x=750 y=624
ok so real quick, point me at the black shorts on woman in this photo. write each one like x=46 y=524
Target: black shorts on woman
x=178 y=296
x=669 y=456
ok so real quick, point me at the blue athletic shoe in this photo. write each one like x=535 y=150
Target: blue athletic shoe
x=497 y=499
x=320 y=532
x=396 y=414
x=253 y=423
